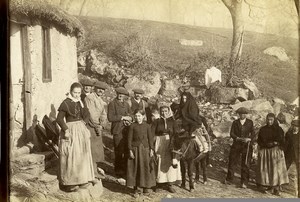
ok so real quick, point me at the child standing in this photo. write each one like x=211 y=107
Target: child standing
x=140 y=169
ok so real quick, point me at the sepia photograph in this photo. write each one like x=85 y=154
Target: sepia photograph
x=145 y=100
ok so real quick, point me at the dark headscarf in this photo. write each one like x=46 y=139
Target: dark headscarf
x=189 y=110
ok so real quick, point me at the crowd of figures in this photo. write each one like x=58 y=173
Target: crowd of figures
x=153 y=152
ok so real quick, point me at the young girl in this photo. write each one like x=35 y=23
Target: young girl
x=140 y=172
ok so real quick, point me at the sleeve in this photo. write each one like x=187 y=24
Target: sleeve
x=130 y=134
x=153 y=127
x=150 y=137
x=281 y=137
x=85 y=115
x=60 y=120
x=112 y=115
x=62 y=111
x=252 y=132
x=103 y=116
x=233 y=130
x=260 y=141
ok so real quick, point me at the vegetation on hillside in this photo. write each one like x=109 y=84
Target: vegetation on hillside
x=146 y=46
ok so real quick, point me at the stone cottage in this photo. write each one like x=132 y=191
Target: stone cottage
x=43 y=64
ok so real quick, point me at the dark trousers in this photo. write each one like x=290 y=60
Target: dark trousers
x=237 y=150
x=121 y=153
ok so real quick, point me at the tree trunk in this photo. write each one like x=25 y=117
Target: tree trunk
x=238 y=33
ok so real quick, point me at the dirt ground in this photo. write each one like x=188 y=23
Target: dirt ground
x=46 y=187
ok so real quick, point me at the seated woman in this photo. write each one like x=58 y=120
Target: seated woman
x=271 y=168
x=164 y=130
x=75 y=160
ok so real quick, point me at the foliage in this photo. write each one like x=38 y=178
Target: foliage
x=139 y=54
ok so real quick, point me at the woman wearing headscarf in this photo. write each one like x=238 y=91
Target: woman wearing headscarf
x=271 y=170
x=75 y=157
x=164 y=130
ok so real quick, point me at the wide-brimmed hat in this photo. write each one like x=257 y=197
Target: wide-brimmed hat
x=87 y=82
x=121 y=90
x=242 y=110
x=138 y=91
x=101 y=85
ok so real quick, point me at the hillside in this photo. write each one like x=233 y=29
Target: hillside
x=273 y=77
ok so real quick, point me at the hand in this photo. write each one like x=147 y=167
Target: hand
x=151 y=153
x=247 y=139
x=67 y=134
x=131 y=155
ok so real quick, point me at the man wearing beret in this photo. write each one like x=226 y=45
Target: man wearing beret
x=87 y=88
x=137 y=102
x=291 y=151
x=98 y=118
x=242 y=133
x=119 y=113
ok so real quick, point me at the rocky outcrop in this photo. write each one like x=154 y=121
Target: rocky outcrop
x=277 y=52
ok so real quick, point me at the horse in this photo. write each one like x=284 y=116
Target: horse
x=190 y=156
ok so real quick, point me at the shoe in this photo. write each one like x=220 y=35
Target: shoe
x=209 y=165
x=84 y=186
x=94 y=182
x=276 y=192
x=171 y=189
x=73 y=188
x=244 y=186
x=205 y=182
x=146 y=191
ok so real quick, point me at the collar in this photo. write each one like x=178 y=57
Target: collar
x=138 y=101
x=243 y=121
x=75 y=100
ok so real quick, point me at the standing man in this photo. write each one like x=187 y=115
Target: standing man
x=87 y=88
x=291 y=151
x=97 y=120
x=137 y=102
x=119 y=113
x=242 y=133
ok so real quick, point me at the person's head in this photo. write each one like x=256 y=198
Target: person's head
x=271 y=119
x=139 y=115
x=164 y=111
x=154 y=114
x=87 y=89
x=87 y=85
x=75 y=90
x=242 y=112
x=138 y=94
x=100 y=87
x=121 y=93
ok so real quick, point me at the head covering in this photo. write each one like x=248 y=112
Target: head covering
x=138 y=91
x=87 y=82
x=121 y=90
x=242 y=110
x=189 y=110
x=101 y=85
x=295 y=123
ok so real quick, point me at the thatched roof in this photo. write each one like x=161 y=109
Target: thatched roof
x=33 y=11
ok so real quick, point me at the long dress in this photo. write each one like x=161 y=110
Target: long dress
x=97 y=119
x=164 y=130
x=140 y=170
x=271 y=170
x=75 y=158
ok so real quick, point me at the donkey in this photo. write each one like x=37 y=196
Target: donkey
x=190 y=156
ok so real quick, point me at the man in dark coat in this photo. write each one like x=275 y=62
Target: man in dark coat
x=291 y=151
x=137 y=102
x=242 y=133
x=119 y=113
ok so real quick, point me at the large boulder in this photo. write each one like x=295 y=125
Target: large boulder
x=186 y=42
x=169 y=87
x=278 y=52
x=224 y=95
x=151 y=88
x=222 y=129
x=252 y=104
x=254 y=92
x=296 y=102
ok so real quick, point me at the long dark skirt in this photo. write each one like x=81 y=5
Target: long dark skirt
x=139 y=171
x=97 y=148
x=271 y=168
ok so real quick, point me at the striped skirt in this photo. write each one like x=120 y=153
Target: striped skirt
x=75 y=158
x=271 y=168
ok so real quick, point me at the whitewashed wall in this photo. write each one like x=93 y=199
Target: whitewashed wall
x=44 y=95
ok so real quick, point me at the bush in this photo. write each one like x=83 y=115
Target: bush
x=139 y=54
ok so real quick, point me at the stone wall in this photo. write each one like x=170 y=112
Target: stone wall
x=46 y=96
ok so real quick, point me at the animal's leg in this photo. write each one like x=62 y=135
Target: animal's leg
x=197 y=178
x=182 y=168
x=203 y=166
x=190 y=174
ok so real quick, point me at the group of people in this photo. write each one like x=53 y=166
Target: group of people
x=276 y=152
x=144 y=149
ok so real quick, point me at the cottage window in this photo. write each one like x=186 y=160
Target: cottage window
x=46 y=51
